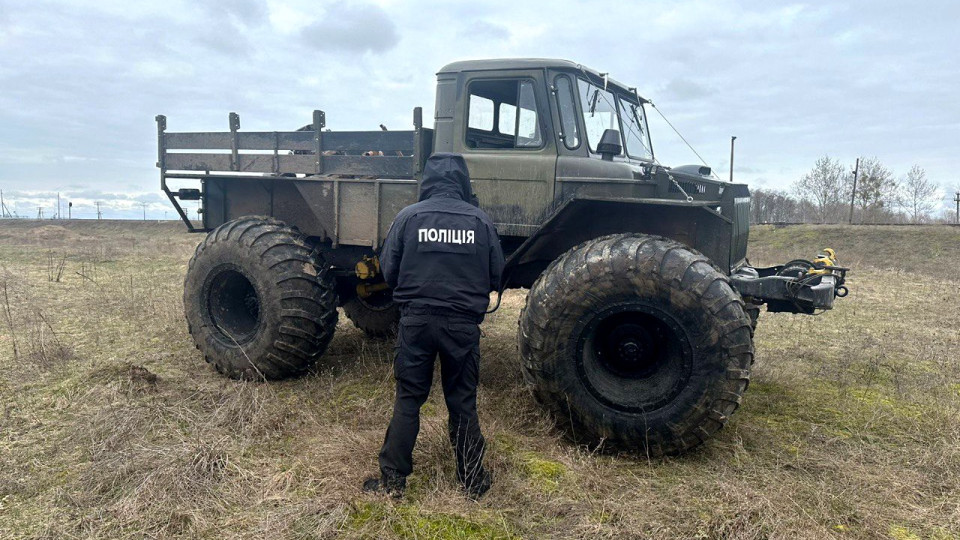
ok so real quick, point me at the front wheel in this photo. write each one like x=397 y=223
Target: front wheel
x=638 y=341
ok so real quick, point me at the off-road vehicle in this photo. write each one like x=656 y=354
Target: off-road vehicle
x=641 y=307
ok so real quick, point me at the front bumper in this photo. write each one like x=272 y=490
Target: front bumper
x=791 y=294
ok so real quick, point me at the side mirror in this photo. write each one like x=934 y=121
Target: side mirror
x=609 y=145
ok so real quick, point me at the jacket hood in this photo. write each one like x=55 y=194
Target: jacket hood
x=446 y=175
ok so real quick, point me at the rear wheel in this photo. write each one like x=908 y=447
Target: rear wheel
x=377 y=315
x=259 y=301
x=638 y=341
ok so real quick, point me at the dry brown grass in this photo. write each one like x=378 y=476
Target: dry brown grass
x=112 y=426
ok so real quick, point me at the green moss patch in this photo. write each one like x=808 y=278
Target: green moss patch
x=544 y=473
x=408 y=521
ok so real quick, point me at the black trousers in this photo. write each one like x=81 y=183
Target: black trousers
x=423 y=335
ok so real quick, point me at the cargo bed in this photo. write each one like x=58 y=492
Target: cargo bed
x=327 y=182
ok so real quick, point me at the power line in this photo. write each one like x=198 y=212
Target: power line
x=682 y=138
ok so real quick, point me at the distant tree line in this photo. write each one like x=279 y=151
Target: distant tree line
x=826 y=194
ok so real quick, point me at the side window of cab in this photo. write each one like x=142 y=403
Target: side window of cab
x=567 y=109
x=503 y=114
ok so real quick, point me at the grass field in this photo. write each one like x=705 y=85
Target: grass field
x=113 y=426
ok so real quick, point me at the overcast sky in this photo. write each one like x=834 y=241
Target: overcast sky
x=81 y=82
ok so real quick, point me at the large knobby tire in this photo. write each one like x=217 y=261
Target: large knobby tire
x=377 y=316
x=637 y=341
x=260 y=302
x=753 y=312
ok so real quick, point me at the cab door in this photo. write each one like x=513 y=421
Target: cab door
x=505 y=134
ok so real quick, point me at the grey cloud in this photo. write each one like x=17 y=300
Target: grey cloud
x=225 y=43
x=352 y=27
x=225 y=25
x=249 y=12
x=81 y=84
x=685 y=89
x=487 y=29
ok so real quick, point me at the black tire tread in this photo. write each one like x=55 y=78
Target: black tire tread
x=301 y=284
x=607 y=263
x=376 y=324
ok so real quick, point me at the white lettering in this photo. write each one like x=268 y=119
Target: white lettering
x=448 y=236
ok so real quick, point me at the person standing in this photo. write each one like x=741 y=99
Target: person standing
x=442 y=258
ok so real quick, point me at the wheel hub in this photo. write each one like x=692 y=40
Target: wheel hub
x=234 y=305
x=628 y=349
x=634 y=357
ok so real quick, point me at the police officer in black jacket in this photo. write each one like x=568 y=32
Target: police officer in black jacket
x=442 y=257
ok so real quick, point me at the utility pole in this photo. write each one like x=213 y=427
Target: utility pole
x=99 y=215
x=144 y=205
x=731 y=157
x=3 y=207
x=957 y=200
x=39 y=212
x=59 y=210
x=69 y=210
x=853 y=196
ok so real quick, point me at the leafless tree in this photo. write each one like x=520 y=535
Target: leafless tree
x=918 y=194
x=824 y=187
x=773 y=206
x=877 y=190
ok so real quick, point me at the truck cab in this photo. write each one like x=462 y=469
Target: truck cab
x=530 y=129
x=550 y=143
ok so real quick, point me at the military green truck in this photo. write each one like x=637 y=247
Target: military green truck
x=638 y=323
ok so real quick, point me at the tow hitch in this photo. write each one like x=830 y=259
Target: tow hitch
x=799 y=286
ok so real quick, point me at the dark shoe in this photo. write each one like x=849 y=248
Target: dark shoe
x=479 y=485
x=385 y=486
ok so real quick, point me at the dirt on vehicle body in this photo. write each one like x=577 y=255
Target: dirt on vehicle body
x=639 y=321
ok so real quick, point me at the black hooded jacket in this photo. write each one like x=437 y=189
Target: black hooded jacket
x=443 y=252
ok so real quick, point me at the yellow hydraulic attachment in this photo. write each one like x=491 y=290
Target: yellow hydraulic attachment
x=366 y=290
x=824 y=263
x=368 y=267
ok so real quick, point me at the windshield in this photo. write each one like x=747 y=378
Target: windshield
x=634 y=128
x=599 y=112
x=602 y=110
